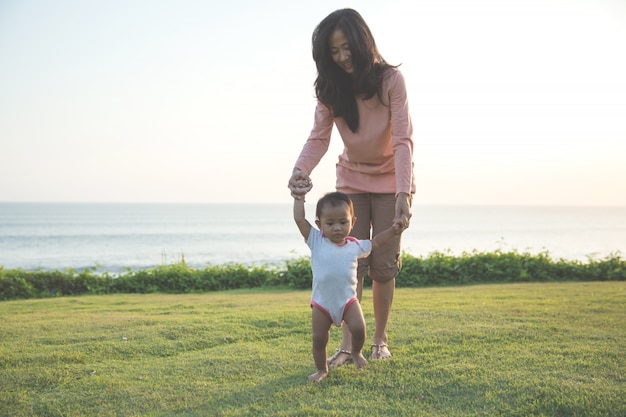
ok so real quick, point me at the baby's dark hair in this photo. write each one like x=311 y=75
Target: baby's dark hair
x=333 y=199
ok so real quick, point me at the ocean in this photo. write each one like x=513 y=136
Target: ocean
x=117 y=237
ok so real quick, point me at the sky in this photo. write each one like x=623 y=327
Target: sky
x=513 y=102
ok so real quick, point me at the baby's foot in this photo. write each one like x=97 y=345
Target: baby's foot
x=318 y=376
x=359 y=360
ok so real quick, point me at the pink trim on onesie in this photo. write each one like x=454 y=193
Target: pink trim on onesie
x=345 y=242
x=345 y=308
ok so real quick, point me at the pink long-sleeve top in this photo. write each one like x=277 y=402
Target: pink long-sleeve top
x=378 y=157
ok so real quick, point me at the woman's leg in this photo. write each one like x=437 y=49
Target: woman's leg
x=383 y=298
x=384 y=267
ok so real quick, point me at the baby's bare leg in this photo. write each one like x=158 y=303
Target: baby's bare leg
x=353 y=317
x=321 y=327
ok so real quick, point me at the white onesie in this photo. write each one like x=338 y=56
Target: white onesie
x=334 y=272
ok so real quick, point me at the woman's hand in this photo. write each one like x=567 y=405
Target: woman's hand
x=403 y=211
x=299 y=184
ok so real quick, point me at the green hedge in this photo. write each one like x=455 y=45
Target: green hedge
x=437 y=269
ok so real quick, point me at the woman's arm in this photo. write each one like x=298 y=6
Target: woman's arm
x=403 y=210
x=312 y=152
x=402 y=140
x=401 y=133
x=317 y=144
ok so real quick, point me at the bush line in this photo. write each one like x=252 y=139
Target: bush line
x=436 y=269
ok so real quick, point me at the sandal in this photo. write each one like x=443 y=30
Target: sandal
x=380 y=351
x=340 y=358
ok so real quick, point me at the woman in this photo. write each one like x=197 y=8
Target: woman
x=366 y=99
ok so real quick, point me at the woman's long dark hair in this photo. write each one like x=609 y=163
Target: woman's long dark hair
x=336 y=88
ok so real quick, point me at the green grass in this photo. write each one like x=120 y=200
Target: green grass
x=556 y=349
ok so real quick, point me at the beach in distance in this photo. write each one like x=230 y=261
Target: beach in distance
x=117 y=237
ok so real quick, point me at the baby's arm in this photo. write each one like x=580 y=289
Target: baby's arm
x=385 y=236
x=299 y=216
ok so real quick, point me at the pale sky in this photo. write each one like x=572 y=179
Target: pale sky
x=512 y=101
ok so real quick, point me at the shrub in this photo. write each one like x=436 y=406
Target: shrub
x=297 y=274
x=436 y=269
x=13 y=286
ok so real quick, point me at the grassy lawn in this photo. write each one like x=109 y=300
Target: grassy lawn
x=489 y=350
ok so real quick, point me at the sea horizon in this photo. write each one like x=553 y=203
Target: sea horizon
x=192 y=203
x=114 y=236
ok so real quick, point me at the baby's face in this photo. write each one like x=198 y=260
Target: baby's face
x=336 y=222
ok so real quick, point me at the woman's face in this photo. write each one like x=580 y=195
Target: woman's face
x=340 y=51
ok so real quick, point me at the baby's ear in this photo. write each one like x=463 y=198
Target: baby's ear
x=353 y=220
x=318 y=224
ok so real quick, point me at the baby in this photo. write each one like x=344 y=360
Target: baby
x=334 y=256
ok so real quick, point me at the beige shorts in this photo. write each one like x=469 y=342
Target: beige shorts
x=374 y=213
